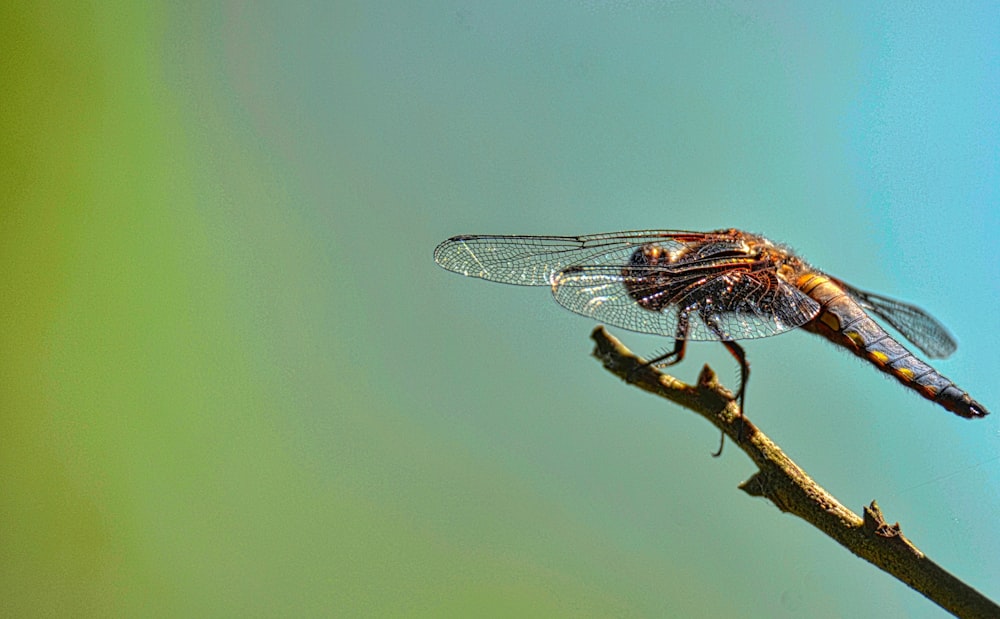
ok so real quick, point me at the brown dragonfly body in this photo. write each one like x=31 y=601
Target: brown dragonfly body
x=725 y=286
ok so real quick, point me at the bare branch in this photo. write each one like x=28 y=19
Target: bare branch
x=791 y=490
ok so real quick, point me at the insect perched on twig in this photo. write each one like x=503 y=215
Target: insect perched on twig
x=725 y=286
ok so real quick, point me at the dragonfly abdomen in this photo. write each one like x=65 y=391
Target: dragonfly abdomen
x=843 y=321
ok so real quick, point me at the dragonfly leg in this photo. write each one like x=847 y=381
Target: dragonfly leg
x=737 y=351
x=670 y=358
x=680 y=344
x=674 y=356
x=677 y=354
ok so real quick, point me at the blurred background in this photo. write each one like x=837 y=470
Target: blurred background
x=233 y=382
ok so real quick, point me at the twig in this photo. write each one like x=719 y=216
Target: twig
x=791 y=490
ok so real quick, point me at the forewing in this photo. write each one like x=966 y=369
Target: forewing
x=720 y=303
x=913 y=323
x=536 y=260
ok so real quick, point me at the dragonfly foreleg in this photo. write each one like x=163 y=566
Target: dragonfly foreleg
x=667 y=359
x=680 y=345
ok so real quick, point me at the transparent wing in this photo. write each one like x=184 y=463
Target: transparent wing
x=913 y=323
x=718 y=303
x=536 y=260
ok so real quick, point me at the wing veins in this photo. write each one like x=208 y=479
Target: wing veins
x=536 y=260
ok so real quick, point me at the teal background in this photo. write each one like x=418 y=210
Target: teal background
x=234 y=383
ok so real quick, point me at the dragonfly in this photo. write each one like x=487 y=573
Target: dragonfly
x=724 y=286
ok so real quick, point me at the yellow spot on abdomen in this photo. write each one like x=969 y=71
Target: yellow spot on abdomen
x=905 y=373
x=855 y=337
x=830 y=320
x=878 y=357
